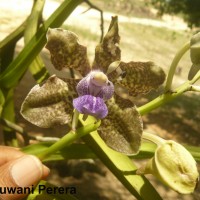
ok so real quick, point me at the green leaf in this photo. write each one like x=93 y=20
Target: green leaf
x=47 y=191
x=122 y=167
x=7 y=46
x=8 y=113
x=2 y=101
x=74 y=151
x=37 y=67
x=195 y=151
x=53 y=99
x=66 y=52
x=16 y=69
x=122 y=128
x=82 y=151
x=108 y=51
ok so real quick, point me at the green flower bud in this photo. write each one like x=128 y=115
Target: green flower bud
x=174 y=166
x=195 y=49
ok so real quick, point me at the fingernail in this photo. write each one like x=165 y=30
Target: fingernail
x=26 y=171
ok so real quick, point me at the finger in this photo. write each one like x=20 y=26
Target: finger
x=9 y=153
x=25 y=171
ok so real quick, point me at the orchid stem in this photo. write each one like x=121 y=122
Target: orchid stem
x=68 y=139
x=174 y=64
x=152 y=138
x=164 y=98
x=75 y=120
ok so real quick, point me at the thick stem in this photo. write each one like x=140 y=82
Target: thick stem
x=174 y=64
x=164 y=98
x=195 y=88
x=68 y=139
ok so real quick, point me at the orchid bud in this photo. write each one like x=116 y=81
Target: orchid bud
x=174 y=166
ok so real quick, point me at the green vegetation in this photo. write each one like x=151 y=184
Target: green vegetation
x=188 y=8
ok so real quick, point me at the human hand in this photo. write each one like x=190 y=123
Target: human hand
x=18 y=170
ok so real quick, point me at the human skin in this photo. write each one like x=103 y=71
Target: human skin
x=19 y=170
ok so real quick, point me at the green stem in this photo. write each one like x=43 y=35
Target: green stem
x=121 y=166
x=167 y=97
x=7 y=46
x=68 y=139
x=195 y=79
x=174 y=64
x=195 y=88
x=75 y=120
x=164 y=98
x=153 y=138
x=10 y=77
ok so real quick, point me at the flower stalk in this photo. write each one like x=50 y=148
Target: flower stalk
x=174 y=64
x=75 y=120
x=164 y=98
x=69 y=138
x=153 y=138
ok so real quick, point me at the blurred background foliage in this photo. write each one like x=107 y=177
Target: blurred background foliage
x=188 y=9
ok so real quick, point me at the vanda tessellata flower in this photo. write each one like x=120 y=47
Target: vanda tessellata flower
x=102 y=90
x=93 y=90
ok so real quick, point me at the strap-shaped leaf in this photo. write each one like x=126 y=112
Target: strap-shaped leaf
x=122 y=128
x=138 y=77
x=66 y=52
x=49 y=104
x=108 y=51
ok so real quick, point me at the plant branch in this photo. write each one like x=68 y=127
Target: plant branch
x=152 y=138
x=68 y=139
x=101 y=17
x=164 y=98
x=174 y=64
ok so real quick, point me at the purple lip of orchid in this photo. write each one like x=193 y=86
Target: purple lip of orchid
x=93 y=90
x=90 y=105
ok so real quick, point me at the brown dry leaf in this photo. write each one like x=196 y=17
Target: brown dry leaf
x=122 y=128
x=48 y=104
x=108 y=51
x=66 y=52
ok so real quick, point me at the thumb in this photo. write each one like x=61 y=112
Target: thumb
x=22 y=172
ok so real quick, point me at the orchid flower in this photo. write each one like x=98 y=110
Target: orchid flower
x=97 y=92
